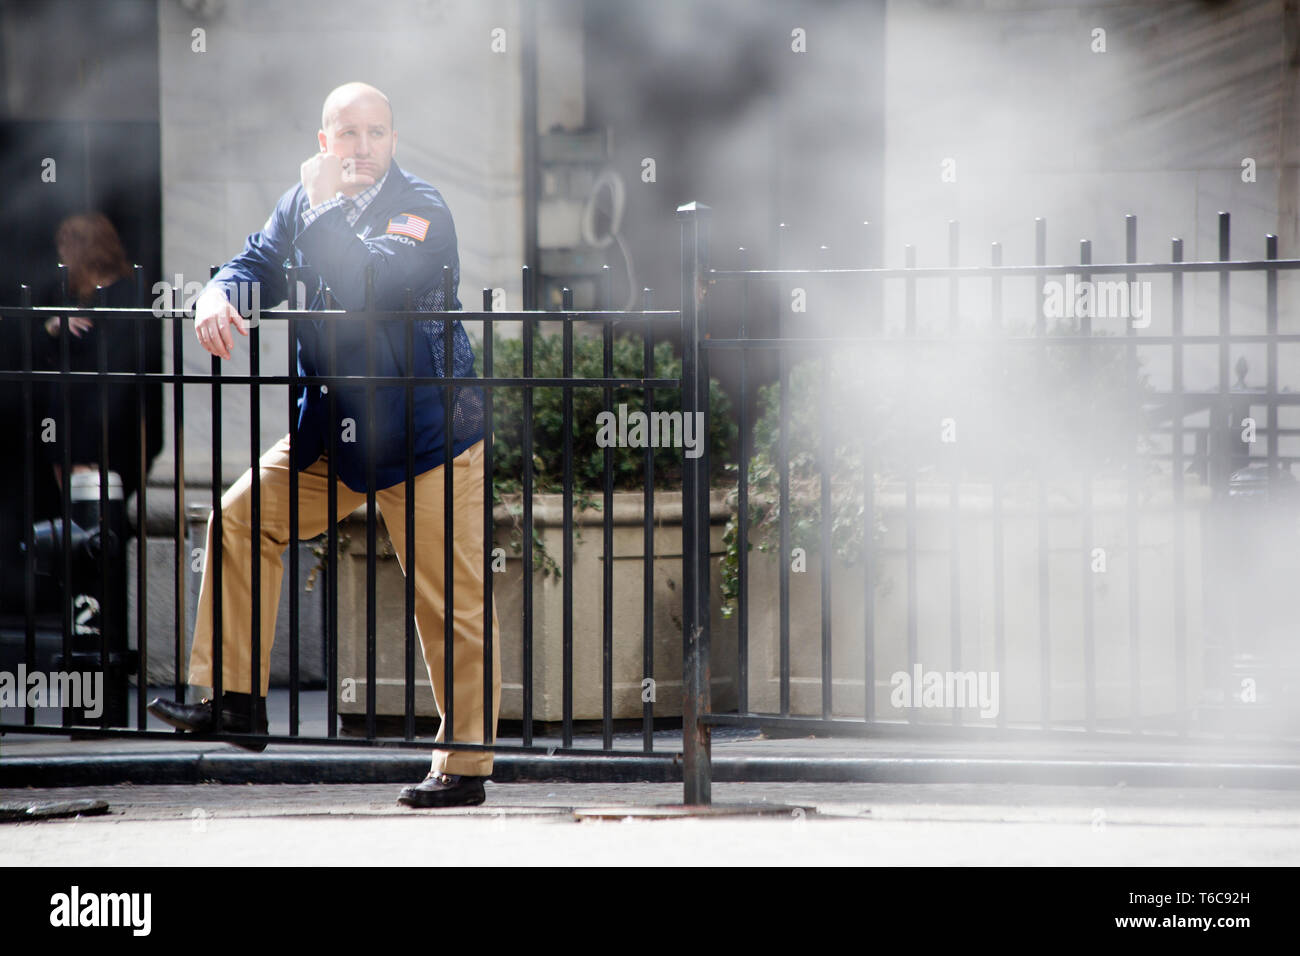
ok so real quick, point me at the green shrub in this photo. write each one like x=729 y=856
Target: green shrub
x=588 y=457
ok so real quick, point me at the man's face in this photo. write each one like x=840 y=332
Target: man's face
x=361 y=130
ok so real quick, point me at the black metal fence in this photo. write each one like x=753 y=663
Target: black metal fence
x=817 y=469
x=112 y=653
x=1003 y=361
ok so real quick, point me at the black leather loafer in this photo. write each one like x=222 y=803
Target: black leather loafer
x=199 y=719
x=444 y=790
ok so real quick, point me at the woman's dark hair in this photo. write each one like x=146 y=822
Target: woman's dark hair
x=89 y=245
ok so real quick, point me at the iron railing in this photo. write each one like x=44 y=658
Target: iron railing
x=1215 y=462
x=871 y=334
x=116 y=656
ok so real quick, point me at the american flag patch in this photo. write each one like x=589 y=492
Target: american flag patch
x=408 y=225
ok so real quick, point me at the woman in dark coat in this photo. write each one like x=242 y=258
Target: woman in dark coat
x=89 y=246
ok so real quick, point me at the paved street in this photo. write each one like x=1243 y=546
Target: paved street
x=535 y=823
x=1057 y=800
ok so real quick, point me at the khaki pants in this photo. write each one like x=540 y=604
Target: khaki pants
x=313 y=504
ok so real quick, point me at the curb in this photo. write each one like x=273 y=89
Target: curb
x=197 y=768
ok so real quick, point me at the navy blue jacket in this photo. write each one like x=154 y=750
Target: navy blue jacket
x=331 y=253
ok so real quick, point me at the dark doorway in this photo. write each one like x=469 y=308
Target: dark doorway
x=79 y=132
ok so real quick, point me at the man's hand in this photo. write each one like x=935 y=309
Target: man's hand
x=324 y=174
x=78 y=325
x=213 y=317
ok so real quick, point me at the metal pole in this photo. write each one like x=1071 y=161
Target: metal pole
x=696 y=771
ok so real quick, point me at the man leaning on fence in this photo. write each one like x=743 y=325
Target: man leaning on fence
x=355 y=211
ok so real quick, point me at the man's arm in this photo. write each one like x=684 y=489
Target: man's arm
x=260 y=262
x=408 y=254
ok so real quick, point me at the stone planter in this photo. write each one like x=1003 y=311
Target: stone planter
x=1019 y=682
x=548 y=615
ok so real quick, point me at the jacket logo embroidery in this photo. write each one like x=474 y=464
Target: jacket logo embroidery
x=408 y=224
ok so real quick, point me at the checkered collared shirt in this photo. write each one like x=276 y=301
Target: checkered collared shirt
x=353 y=206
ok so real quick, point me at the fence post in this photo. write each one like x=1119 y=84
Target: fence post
x=696 y=772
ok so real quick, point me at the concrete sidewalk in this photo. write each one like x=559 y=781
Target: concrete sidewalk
x=906 y=797
x=894 y=754
x=738 y=755
x=612 y=824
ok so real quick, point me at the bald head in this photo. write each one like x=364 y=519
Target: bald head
x=343 y=98
x=357 y=126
